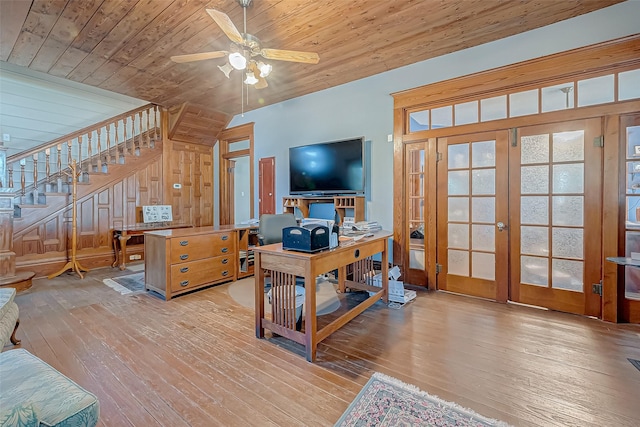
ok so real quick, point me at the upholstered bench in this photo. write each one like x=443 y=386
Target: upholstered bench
x=8 y=317
x=32 y=393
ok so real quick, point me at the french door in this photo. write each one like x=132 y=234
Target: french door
x=472 y=231
x=519 y=215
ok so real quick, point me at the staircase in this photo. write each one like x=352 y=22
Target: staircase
x=40 y=178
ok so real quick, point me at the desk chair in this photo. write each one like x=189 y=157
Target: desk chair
x=270 y=231
x=324 y=211
x=271 y=226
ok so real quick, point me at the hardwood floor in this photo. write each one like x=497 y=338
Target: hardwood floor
x=195 y=361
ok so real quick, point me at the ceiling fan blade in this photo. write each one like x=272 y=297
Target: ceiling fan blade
x=291 y=55
x=198 y=56
x=262 y=83
x=226 y=25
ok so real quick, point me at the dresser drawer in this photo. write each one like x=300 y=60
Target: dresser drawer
x=192 y=248
x=195 y=273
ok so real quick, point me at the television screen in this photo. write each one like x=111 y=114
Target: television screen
x=328 y=168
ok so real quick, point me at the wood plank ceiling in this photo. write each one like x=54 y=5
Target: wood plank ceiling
x=125 y=45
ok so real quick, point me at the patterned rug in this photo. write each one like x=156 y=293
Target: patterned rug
x=129 y=284
x=386 y=401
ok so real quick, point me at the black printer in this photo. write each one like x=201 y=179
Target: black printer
x=307 y=238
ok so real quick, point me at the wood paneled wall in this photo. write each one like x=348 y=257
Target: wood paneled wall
x=191 y=166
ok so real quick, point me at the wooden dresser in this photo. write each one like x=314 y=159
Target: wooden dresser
x=182 y=260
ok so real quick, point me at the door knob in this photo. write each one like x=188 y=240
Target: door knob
x=501 y=226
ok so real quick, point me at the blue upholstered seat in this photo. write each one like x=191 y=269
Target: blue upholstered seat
x=29 y=385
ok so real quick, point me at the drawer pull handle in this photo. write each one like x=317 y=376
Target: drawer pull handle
x=225 y=237
x=184 y=283
x=225 y=273
x=184 y=242
x=184 y=256
x=225 y=250
x=184 y=269
x=226 y=260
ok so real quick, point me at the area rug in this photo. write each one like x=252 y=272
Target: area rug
x=243 y=292
x=136 y=267
x=129 y=284
x=386 y=401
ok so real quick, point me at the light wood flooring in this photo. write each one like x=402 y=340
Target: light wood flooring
x=195 y=361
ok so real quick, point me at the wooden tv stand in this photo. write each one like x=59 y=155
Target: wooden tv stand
x=341 y=203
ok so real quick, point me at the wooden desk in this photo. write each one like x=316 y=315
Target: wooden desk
x=122 y=234
x=284 y=266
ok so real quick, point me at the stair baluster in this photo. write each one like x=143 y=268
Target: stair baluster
x=59 y=165
x=10 y=177
x=134 y=148
x=47 y=167
x=148 y=137
x=101 y=164
x=23 y=178
x=91 y=167
x=35 y=171
x=155 y=121
x=109 y=157
x=115 y=142
x=125 y=142
x=79 y=154
x=140 y=136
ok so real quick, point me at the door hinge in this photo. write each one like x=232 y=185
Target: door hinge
x=514 y=137
x=438 y=157
x=597 y=288
x=598 y=141
x=438 y=268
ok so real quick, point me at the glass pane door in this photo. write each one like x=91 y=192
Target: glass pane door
x=472 y=215
x=631 y=133
x=416 y=182
x=555 y=178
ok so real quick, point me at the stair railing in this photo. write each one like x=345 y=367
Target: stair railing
x=46 y=163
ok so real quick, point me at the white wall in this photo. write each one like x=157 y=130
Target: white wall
x=36 y=108
x=365 y=107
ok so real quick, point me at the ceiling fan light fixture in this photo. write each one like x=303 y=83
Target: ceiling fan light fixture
x=265 y=69
x=237 y=61
x=251 y=78
x=226 y=69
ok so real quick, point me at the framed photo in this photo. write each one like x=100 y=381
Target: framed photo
x=157 y=213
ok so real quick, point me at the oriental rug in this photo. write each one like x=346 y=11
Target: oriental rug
x=128 y=284
x=386 y=401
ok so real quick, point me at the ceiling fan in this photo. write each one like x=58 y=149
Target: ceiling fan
x=244 y=48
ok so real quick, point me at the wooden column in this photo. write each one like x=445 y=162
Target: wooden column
x=8 y=276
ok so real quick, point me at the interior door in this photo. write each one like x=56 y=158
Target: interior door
x=555 y=216
x=472 y=215
x=415 y=162
x=266 y=183
x=630 y=130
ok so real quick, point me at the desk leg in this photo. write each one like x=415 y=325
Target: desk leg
x=259 y=295
x=123 y=247
x=310 y=321
x=385 y=273
x=116 y=252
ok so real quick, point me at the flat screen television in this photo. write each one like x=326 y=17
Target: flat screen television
x=327 y=168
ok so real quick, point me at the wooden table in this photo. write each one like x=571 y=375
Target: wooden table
x=283 y=266
x=122 y=234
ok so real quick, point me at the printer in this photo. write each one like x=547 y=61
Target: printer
x=310 y=238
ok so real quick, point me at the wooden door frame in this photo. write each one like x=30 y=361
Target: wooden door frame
x=590 y=61
x=225 y=155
